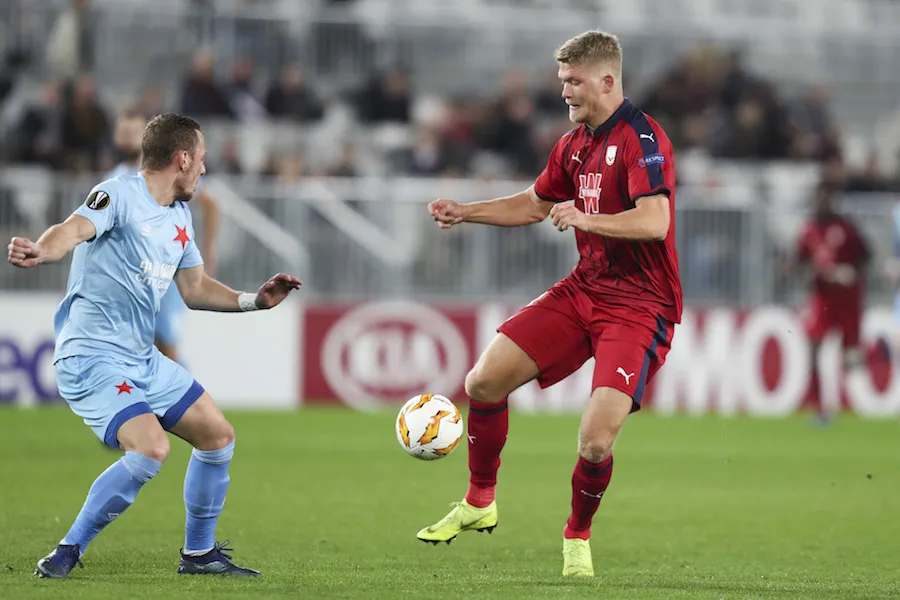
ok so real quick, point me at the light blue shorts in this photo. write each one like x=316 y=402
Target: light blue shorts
x=170 y=317
x=106 y=391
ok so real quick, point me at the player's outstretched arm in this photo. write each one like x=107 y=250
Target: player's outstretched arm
x=54 y=244
x=523 y=208
x=648 y=221
x=202 y=292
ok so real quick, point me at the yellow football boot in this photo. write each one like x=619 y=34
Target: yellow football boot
x=463 y=517
x=577 y=558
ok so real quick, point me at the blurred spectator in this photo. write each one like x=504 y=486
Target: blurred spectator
x=229 y=161
x=548 y=99
x=508 y=131
x=812 y=113
x=385 y=99
x=37 y=134
x=428 y=156
x=869 y=179
x=85 y=127
x=151 y=102
x=70 y=47
x=737 y=82
x=345 y=166
x=201 y=96
x=242 y=96
x=291 y=98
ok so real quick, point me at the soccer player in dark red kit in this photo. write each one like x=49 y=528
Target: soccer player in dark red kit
x=838 y=254
x=619 y=305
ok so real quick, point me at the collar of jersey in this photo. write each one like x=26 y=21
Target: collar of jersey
x=623 y=113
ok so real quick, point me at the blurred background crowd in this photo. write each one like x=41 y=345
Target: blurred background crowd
x=292 y=92
x=707 y=97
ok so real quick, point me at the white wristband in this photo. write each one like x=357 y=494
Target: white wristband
x=247 y=302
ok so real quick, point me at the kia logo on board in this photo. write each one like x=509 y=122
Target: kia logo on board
x=390 y=351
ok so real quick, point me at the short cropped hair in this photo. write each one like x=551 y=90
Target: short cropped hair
x=165 y=135
x=591 y=47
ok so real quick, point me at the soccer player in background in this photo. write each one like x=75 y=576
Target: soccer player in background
x=892 y=271
x=619 y=305
x=127 y=139
x=130 y=238
x=836 y=251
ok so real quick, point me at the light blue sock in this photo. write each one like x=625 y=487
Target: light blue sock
x=110 y=495
x=205 y=487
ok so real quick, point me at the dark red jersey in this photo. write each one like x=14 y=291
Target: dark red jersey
x=606 y=170
x=837 y=252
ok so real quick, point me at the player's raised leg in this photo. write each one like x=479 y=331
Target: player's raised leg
x=146 y=447
x=502 y=368
x=205 y=486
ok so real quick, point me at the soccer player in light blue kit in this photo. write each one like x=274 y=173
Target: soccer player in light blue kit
x=127 y=140
x=130 y=238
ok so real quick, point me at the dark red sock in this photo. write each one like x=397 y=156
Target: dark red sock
x=488 y=426
x=589 y=482
x=815 y=390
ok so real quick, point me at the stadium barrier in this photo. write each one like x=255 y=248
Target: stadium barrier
x=723 y=361
x=246 y=360
x=375 y=354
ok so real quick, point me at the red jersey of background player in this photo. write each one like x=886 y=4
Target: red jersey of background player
x=837 y=252
x=606 y=170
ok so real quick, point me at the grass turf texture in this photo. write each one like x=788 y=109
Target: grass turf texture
x=327 y=505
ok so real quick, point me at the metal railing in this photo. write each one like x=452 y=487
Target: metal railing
x=372 y=237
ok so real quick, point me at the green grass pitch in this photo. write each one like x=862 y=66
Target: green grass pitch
x=327 y=505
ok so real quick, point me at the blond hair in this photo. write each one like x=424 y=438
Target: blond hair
x=591 y=47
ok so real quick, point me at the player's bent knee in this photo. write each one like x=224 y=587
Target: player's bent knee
x=143 y=434
x=225 y=435
x=156 y=447
x=481 y=388
x=594 y=449
x=502 y=368
x=219 y=434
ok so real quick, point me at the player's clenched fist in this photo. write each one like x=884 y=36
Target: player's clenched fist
x=446 y=212
x=566 y=215
x=23 y=252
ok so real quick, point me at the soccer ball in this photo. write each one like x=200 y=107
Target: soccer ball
x=429 y=426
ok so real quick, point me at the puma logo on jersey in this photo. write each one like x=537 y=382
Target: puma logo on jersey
x=627 y=376
x=576 y=156
x=648 y=136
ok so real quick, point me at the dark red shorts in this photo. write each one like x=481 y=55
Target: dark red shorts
x=841 y=315
x=565 y=327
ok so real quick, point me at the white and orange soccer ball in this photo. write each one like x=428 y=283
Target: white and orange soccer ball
x=429 y=426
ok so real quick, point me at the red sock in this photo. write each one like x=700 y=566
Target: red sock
x=488 y=426
x=589 y=482
x=815 y=390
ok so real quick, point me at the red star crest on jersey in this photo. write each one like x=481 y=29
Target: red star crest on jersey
x=124 y=388
x=182 y=236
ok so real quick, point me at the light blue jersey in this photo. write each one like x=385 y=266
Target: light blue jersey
x=117 y=279
x=170 y=318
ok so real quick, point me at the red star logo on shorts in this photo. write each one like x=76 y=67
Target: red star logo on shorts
x=182 y=236
x=124 y=388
